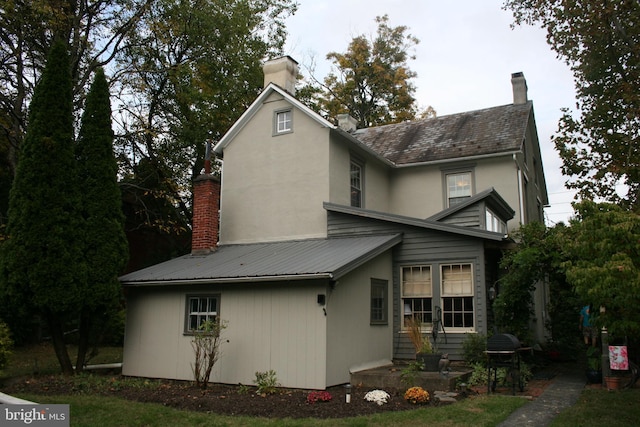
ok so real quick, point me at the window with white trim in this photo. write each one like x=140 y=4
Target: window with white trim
x=201 y=308
x=283 y=121
x=493 y=223
x=459 y=187
x=356 y=180
x=457 y=295
x=417 y=294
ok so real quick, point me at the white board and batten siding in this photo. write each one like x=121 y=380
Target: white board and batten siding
x=268 y=327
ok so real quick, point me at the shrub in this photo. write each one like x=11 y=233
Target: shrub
x=473 y=348
x=319 y=396
x=6 y=344
x=267 y=382
x=479 y=376
x=206 y=346
x=416 y=395
x=408 y=375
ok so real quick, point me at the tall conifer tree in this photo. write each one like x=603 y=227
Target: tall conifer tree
x=105 y=244
x=43 y=264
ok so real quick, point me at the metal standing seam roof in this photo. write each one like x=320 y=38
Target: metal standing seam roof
x=473 y=133
x=328 y=258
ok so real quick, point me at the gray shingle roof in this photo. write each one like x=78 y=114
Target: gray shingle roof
x=291 y=260
x=473 y=133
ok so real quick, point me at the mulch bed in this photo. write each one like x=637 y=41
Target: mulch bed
x=238 y=400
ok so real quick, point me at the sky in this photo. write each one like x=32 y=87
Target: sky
x=464 y=61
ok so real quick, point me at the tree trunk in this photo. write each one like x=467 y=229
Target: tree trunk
x=83 y=339
x=57 y=337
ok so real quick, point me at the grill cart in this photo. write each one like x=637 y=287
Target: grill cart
x=503 y=351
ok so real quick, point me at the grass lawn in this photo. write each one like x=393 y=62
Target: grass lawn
x=596 y=407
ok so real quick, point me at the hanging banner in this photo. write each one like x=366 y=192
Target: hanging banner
x=618 y=358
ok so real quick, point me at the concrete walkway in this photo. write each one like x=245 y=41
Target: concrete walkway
x=563 y=392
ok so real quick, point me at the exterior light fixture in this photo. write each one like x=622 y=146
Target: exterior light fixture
x=347 y=396
x=492 y=293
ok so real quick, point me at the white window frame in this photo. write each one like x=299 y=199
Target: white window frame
x=420 y=304
x=356 y=183
x=458 y=297
x=494 y=223
x=283 y=121
x=196 y=315
x=457 y=188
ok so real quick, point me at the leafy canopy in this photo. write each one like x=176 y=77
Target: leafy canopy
x=600 y=41
x=371 y=81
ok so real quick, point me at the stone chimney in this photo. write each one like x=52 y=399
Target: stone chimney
x=206 y=204
x=347 y=123
x=519 y=88
x=282 y=71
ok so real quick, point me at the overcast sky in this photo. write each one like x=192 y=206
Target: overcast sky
x=464 y=61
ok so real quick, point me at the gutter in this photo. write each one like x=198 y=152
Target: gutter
x=246 y=279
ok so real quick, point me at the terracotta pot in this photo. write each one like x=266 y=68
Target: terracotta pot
x=614 y=383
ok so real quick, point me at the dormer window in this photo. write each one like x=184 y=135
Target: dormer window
x=283 y=122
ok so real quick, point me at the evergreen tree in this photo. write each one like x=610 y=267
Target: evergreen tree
x=105 y=244
x=42 y=263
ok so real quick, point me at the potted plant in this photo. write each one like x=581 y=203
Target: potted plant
x=425 y=353
x=594 y=366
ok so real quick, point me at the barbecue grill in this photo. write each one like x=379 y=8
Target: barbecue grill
x=503 y=351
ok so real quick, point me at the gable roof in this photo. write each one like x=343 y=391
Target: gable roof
x=291 y=260
x=464 y=135
x=416 y=222
x=490 y=196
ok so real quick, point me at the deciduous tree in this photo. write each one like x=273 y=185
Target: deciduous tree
x=600 y=41
x=372 y=80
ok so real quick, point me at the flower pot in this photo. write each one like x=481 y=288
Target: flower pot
x=430 y=361
x=594 y=376
x=614 y=383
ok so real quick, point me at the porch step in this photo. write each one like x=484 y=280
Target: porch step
x=389 y=377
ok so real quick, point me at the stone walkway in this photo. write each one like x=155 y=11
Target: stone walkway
x=562 y=393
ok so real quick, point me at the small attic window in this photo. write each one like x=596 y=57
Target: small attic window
x=283 y=122
x=494 y=223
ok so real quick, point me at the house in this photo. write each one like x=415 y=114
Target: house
x=328 y=236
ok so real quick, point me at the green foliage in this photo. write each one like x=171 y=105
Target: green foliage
x=372 y=80
x=267 y=382
x=409 y=374
x=594 y=359
x=6 y=345
x=600 y=41
x=480 y=374
x=193 y=69
x=473 y=347
x=603 y=260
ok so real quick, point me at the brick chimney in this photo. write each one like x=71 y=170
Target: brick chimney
x=206 y=204
x=519 y=88
x=282 y=71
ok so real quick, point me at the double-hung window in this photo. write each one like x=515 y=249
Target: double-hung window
x=417 y=293
x=200 y=309
x=459 y=187
x=457 y=295
x=494 y=223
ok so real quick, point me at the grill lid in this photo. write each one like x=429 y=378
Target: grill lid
x=503 y=342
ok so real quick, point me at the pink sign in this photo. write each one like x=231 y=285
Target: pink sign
x=618 y=358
